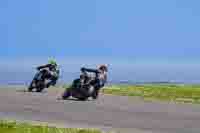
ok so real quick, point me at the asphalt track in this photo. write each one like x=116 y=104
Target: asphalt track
x=108 y=112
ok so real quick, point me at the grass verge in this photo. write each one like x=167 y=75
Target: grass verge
x=170 y=93
x=17 y=127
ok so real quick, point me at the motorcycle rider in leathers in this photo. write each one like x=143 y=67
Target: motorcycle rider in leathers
x=52 y=73
x=100 y=76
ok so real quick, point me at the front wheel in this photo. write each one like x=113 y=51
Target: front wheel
x=66 y=94
x=31 y=87
x=40 y=86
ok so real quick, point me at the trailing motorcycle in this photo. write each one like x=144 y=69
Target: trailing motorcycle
x=83 y=88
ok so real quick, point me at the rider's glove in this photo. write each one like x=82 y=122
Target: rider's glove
x=38 y=68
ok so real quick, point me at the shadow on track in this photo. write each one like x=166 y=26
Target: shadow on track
x=73 y=99
x=24 y=90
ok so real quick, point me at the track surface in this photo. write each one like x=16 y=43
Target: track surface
x=126 y=114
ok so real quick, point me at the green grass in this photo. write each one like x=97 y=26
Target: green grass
x=14 y=127
x=170 y=93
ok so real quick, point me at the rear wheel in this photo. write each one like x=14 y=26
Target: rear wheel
x=95 y=94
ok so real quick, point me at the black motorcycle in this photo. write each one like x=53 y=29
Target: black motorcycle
x=39 y=81
x=83 y=88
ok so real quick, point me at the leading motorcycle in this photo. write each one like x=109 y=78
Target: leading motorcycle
x=39 y=81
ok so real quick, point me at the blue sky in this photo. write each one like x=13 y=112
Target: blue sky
x=133 y=34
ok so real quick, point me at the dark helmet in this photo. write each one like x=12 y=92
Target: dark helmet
x=103 y=68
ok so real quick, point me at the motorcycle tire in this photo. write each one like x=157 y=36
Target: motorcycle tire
x=30 y=88
x=40 y=86
x=66 y=94
x=95 y=94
